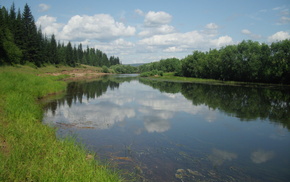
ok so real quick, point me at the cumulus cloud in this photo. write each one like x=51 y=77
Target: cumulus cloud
x=282 y=35
x=184 y=41
x=155 y=35
x=221 y=41
x=101 y=27
x=153 y=19
x=43 y=7
x=155 y=23
x=211 y=30
x=116 y=47
x=162 y=29
x=49 y=25
x=261 y=156
x=173 y=49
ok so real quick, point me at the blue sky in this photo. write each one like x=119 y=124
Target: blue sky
x=140 y=31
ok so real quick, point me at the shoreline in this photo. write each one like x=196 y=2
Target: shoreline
x=169 y=77
x=29 y=150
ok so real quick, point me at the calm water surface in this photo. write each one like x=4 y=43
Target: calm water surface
x=165 y=131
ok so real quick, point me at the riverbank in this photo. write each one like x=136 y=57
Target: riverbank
x=171 y=77
x=29 y=150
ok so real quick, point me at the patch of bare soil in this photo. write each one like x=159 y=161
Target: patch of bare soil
x=79 y=74
x=4 y=147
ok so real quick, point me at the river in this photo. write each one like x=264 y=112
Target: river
x=168 y=131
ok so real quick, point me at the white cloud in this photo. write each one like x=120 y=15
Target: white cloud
x=284 y=20
x=261 y=156
x=155 y=23
x=139 y=12
x=116 y=47
x=49 y=25
x=211 y=26
x=189 y=40
x=211 y=30
x=282 y=35
x=162 y=29
x=43 y=7
x=99 y=27
x=250 y=34
x=155 y=36
x=246 y=32
x=173 y=49
x=157 y=18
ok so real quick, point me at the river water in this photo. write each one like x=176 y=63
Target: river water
x=166 y=131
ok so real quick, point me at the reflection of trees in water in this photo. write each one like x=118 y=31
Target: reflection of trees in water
x=246 y=103
x=76 y=91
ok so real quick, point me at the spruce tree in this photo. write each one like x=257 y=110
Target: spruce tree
x=30 y=41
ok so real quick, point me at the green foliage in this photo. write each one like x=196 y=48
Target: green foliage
x=32 y=151
x=122 y=69
x=248 y=62
x=152 y=73
x=165 y=65
x=10 y=52
x=105 y=69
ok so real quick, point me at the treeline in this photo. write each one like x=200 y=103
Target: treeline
x=122 y=69
x=247 y=61
x=22 y=42
x=165 y=65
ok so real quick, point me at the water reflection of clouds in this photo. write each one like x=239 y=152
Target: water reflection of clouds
x=218 y=157
x=261 y=156
x=155 y=121
x=173 y=104
x=100 y=115
x=155 y=108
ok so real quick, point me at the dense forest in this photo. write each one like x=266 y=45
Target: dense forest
x=21 y=42
x=247 y=61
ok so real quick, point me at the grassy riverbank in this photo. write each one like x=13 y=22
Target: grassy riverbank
x=29 y=150
x=171 y=77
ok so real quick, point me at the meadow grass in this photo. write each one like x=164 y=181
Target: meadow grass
x=29 y=150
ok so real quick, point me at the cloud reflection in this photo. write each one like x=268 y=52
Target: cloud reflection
x=261 y=156
x=218 y=157
x=129 y=100
x=100 y=115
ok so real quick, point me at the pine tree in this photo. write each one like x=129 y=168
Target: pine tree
x=53 y=50
x=30 y=41
x=69 y=55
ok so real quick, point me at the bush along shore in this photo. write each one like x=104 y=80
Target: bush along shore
x=29 y=150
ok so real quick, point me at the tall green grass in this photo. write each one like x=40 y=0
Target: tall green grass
x=29 y=150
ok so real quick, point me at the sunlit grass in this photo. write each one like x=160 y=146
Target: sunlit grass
x=29 y=150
